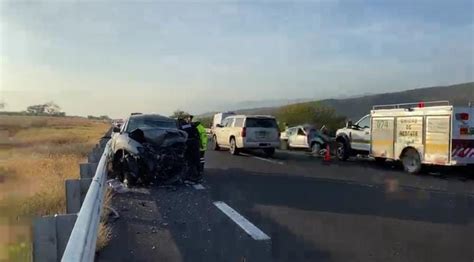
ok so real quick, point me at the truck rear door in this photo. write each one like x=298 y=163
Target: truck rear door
x=463 y=136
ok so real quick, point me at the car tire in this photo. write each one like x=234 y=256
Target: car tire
x=233 y=147
x=215 y=145
x=269 y=152
x=380 y=160
x=411 y=161
x=342 y=151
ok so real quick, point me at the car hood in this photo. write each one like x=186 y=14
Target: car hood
x=159 y=137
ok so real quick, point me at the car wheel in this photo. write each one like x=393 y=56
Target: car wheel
x=269 y=152
x=411 y=161
x=342 y=151
x=233 y=147
x=215 y=145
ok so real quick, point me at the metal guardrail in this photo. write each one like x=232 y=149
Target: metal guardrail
x=82 y=242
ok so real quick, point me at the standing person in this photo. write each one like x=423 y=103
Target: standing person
x=192 y=148
x=203 y=145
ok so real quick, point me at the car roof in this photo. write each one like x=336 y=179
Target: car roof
x=153 y=116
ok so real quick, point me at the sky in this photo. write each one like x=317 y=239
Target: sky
x=116 y=57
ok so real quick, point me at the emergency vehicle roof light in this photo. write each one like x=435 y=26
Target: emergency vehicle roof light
x=462 y=116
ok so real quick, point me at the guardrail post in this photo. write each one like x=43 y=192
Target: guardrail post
x=87 y=170
x=76 y=190
x=73 y=196
x=51 y=234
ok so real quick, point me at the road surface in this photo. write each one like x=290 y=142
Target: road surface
x=310 y=211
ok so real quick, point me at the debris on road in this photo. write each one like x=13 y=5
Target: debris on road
x=117 y=186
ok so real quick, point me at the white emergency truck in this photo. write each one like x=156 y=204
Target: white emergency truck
x=218 y=119
x=434 y=133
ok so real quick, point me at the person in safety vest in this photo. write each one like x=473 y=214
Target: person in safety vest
x=192 y=148
x=202 y=142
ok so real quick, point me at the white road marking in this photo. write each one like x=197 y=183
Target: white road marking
x=246 y=225
x=198 y=186
x=269 y=160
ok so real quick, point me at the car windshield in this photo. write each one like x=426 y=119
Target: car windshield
x=149 y=122
x=261 y=122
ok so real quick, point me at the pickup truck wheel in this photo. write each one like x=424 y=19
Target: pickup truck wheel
x=233 y=147
x=411 y=161
x=215 y=145
x=342 y=151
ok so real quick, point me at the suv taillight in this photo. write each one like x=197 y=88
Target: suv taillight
x=244 y=132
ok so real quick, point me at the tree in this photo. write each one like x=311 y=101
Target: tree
x=315 y=114
x=49 y=108
x=179 y=114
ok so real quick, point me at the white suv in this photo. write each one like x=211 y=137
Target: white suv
x=247 y=132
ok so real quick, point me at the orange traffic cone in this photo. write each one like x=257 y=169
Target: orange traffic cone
x=327 y=155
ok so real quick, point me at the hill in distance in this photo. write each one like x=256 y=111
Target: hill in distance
x=356 y=107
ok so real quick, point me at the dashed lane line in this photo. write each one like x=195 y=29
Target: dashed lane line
x=269 y=160
x=242 y=222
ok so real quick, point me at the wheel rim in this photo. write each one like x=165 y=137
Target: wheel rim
x=411 y=161
x=232 y=146
x=340 y=151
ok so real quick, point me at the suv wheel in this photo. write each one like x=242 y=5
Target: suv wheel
x=215 y=145
x=411 y=161
x=342 y=151
x=233 y=147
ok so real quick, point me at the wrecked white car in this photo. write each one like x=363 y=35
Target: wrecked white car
x=148 y=148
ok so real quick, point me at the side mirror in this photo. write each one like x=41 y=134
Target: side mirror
x=349 y=124
x=116 y=129
x=219 y=125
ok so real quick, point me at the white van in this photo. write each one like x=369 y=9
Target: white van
x=218 y=119
x=247 y=132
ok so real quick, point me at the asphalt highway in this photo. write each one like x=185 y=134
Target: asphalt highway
x=310 y=210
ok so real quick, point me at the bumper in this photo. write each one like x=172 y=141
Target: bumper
x=272 y=144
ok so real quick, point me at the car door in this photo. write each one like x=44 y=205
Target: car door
x=360 y=134
x=291 y=137
x=301 y=138
x=220 y=133
x=226 y=131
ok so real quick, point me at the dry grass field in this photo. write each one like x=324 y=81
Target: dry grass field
x=36 y=155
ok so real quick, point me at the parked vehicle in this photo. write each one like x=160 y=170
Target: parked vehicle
x=306 y=137
x=247 y=132
x=147 y=148
x=218 y=119
x=418 y=133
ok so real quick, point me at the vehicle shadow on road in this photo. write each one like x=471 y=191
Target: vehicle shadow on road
x=306 y=193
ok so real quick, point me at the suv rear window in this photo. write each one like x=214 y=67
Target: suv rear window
x=261 y=122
